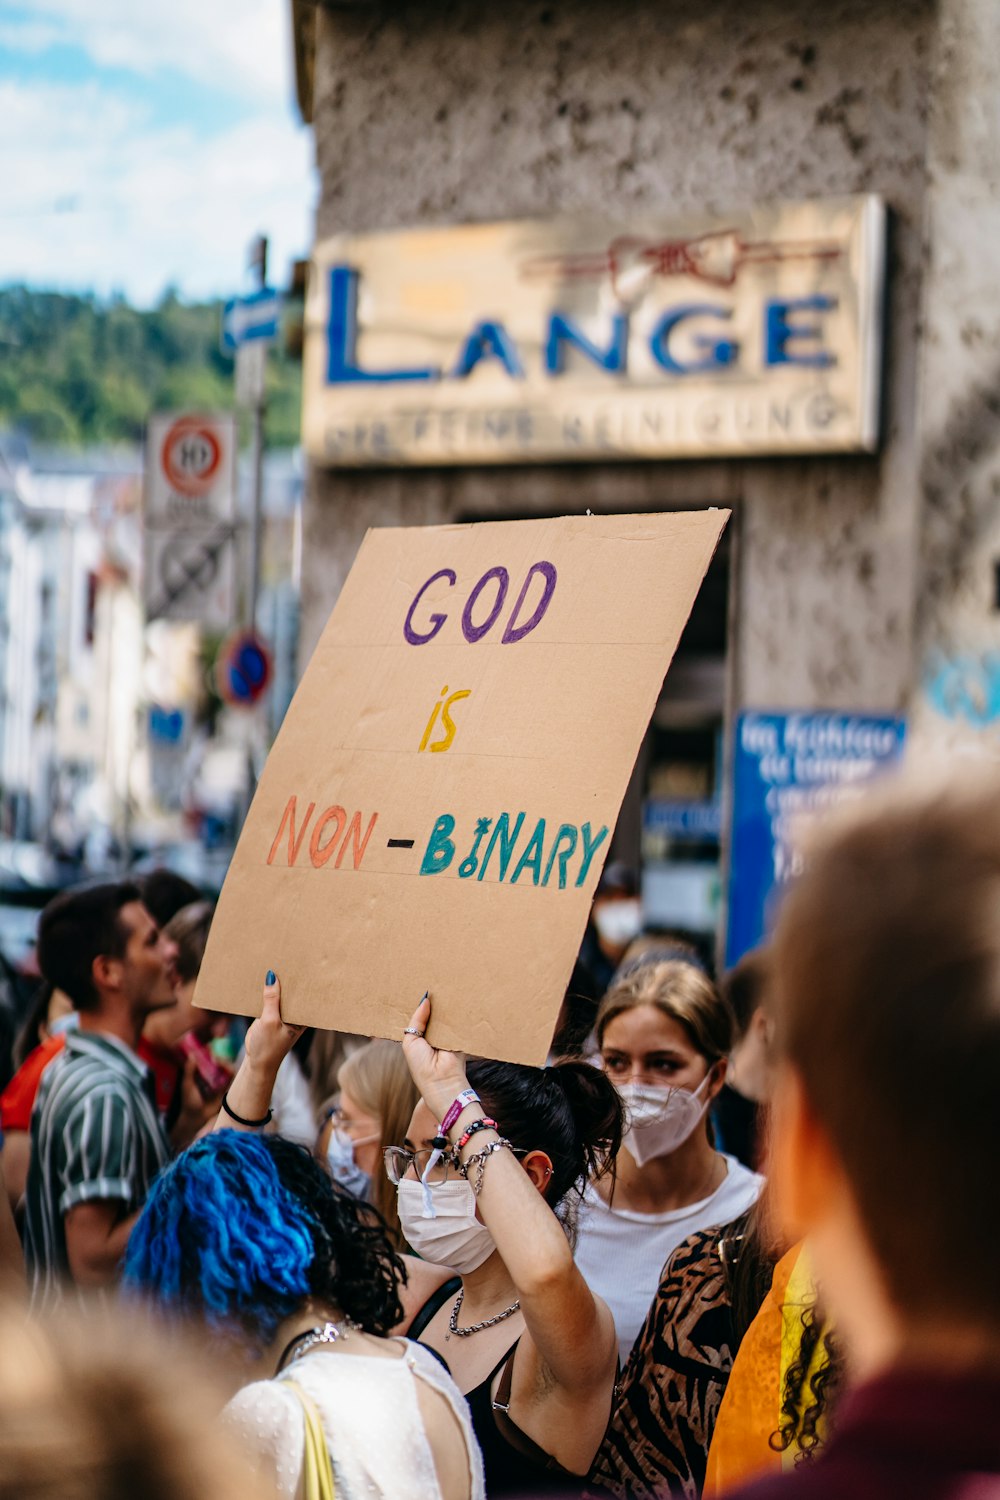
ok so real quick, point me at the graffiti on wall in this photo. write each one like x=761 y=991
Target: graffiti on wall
x=965 y=689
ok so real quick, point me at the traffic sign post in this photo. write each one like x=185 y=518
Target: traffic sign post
x=189 y=515
x=250 y=319
x=251 y=374
x=243 y=670
x=190 y=575
x=249 y=326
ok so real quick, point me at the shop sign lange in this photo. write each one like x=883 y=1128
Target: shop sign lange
x=582 y=338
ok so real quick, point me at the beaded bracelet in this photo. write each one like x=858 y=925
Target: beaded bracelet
x=479 y=1159
x=483 y=1123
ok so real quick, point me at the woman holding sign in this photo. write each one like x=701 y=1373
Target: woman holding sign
x=492 y=1150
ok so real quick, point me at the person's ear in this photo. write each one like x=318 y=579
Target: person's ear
x=106 y=972
x=716 y=1076
x=762 y=1024
x=804 y=1170
x=539 y=1168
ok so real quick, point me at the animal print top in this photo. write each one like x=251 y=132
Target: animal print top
x=671 y=1389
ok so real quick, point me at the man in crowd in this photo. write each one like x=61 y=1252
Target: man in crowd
x=886 y=981
x=97 y=1140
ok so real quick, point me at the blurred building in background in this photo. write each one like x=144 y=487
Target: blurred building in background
x=112 y=741
x=854 y=589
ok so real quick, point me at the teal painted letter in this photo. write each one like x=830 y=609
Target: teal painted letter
x=531 y=859
x=440 y=849
x=590 y=848
x=502 y=834
x=566 y=837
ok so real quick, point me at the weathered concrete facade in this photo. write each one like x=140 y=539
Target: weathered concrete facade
x=861 y=584
x=956 y=699
x=435 y=114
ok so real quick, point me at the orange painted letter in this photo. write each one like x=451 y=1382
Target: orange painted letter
x=353 y=835
x=320 y=856
x=294 y=842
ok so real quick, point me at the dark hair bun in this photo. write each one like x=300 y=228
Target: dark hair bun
x=596 y=1108
x=571 y=1111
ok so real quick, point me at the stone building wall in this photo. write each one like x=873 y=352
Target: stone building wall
x=956 y=699
x=453 y=111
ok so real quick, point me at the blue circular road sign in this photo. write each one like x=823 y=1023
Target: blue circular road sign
x=243 y=670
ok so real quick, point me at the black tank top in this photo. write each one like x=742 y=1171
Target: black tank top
x=513 y=1463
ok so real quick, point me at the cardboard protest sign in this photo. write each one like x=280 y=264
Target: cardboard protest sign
x=438 y=805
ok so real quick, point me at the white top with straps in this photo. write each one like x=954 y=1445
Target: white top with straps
x=371 y=1418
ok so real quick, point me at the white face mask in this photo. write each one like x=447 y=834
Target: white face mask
x=454 y=1237
x=343 y=1168
x=660 y=1120
x=618 y=922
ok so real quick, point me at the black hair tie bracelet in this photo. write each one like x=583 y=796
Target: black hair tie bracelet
x=248 y=1124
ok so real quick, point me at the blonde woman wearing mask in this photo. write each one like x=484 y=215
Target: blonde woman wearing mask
x=664 y=1034
x=377 y=1098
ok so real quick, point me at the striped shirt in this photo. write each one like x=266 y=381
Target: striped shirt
x=95 y=1135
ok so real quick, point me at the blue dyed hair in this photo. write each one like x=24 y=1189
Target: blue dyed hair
x=242 y=1229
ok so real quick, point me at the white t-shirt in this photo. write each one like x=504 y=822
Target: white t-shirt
x=622 y=1253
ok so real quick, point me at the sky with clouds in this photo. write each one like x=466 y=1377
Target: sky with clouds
x=145 y=142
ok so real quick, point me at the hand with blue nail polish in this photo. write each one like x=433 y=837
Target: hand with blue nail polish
x=268 y=1043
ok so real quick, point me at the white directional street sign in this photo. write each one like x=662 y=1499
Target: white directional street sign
x=189 y=515
x=249 y=319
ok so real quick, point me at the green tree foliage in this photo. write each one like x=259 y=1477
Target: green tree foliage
x=76 y=371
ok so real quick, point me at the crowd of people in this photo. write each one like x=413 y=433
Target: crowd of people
x=733 y=1238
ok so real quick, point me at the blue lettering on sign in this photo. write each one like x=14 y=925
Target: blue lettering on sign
x=488 y=339
x=562 y=332
x=342 y=332
x=786 y=767
x=793 y=334
x=719 y=353
x=780 y=330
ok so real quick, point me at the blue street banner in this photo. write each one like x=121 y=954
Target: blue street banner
x=786 y=766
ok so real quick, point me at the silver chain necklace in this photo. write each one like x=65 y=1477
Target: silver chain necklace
x=323 y=1333
x=463 y=1333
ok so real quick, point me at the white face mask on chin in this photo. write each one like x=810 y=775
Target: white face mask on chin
x=660 y=1120
x=618 y=922
x=454 y=1237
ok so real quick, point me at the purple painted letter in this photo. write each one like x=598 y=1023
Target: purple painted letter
x=475 y=633
x=436 y=620
x=518 y=632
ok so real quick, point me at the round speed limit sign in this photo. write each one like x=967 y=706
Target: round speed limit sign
x=191 y=455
